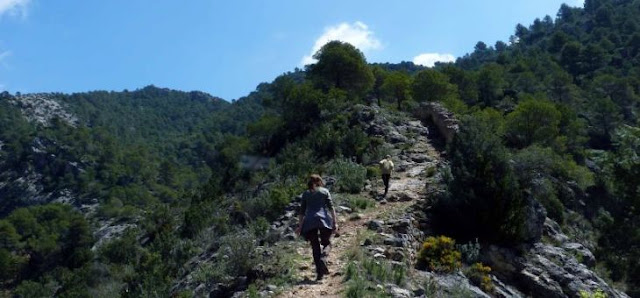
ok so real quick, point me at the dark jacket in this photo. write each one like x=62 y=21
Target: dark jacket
x=316 y=207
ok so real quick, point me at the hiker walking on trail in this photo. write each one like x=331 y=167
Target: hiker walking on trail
x=386 y=165
x=317 y=221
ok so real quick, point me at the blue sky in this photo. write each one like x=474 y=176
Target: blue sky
x=226 y=48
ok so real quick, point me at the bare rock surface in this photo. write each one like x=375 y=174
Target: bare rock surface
x=40 y=108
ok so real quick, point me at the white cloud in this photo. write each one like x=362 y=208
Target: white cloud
x=357 y=34
x=3 y=56
x=429 y=59
x=14 y=7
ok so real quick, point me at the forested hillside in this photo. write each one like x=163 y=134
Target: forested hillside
x=549 y=127
x=556 y=108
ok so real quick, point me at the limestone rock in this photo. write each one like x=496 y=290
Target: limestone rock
x=397 y=292
x=452 y=285
x=546 y=271
x=534 y=221
x=581 y=252
x=395 y=137
x=402 y=196
x=344 y=209
x=444 y=120
x=375 y=225
x=394 y=241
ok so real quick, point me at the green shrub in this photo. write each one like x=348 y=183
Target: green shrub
x=259 y=226
x=597 y=294
x=359 y=203
x=399 y=274
x=439 y=254
x=209 y=271
x=373 y=172
x=279 y=198
x=350 y=175
x=470 y=252
x=351 y=272
x=295 y=161
x=484 y=199
x=122 y=250
x=376 y=271
x=555 y=208
x=479 y=276
x=455 y=105
x=357 y=288
x=201 y=215
x=238 y=247
x=252 y=292
x=430 y=171
x=430 y=287
x=355 y=142
x=545 y=193
x=270 y=204
x=33 y=289
x=377 y=150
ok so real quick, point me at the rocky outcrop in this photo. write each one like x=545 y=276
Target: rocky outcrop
x=546 y=270
x=21 y=187
x=534 y=221
x=443 y=120
x=40 y=108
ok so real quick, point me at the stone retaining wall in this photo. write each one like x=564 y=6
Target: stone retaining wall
x=444 y=120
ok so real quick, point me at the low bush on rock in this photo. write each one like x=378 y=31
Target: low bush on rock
x=439 y=254
x=479 y=276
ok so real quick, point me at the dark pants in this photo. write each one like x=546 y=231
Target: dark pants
x=385 y=180
x=317 y=237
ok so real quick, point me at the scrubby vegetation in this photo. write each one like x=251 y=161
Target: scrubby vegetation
x=439 y=254
x=479 y=275
x=551 y=117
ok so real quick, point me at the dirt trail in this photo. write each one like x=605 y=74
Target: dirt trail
x=411 y=161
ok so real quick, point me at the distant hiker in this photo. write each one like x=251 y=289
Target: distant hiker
x=318 y=221
x=386 y=165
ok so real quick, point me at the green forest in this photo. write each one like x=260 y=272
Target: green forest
x=551 y=115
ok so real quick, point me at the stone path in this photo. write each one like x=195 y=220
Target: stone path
x=413 y=158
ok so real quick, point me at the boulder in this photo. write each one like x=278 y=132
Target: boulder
x=394 y=241
x=376 y=130
x=553 y=230
x=396 y=254
x=272 y=288
x=452 y=285
x=402 y=196
x=375 y=225
x=420 y=157
x=395 y=137
x=583 y=254
x=401 y=226
x=344 y=209
x=397 y=292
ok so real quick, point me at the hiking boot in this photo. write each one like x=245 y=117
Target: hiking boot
x=326 y=250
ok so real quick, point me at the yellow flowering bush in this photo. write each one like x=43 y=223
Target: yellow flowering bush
x=439 y=254
x=479 y=275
